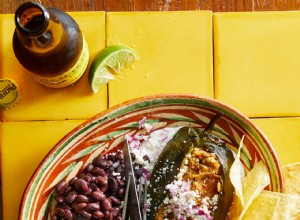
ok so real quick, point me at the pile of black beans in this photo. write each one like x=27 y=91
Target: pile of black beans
x=96 y=193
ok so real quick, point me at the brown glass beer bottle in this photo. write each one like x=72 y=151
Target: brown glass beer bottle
x=50 y=45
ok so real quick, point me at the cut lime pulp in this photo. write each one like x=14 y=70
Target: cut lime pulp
x=110 y=61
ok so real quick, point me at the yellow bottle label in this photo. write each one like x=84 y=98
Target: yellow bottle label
x=9 y=93
x=69 y=77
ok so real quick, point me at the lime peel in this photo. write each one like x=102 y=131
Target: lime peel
x=108 y=62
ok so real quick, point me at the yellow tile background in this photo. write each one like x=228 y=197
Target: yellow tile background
x=175 y=51
x=41 y=103
x=284 y=135
x=255 y=70
x=23 y=146
x=256 y=62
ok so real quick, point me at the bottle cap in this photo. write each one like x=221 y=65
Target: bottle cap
x=9 y=93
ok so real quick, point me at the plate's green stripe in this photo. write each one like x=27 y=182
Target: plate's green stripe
x=112 y=135
x=85 y=152
x=49 y=202
x=179 y=119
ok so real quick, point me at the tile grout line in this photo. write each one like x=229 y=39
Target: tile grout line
x=106 y=43
x=1 y=121
x=213 y=56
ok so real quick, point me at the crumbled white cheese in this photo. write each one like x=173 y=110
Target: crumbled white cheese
x=181 y=201
x=150 y=145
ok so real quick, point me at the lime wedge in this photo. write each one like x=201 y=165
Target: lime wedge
x=110 y=61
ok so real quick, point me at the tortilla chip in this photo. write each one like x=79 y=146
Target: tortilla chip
x=236 y=174
x=256 y=180
x=262 y=207
x=235 y=209
x=275 y=206
x=291 y=176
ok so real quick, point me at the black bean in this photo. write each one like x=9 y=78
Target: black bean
x=121 y=183
x=106 y=214
x=85 y=214
x=111 y=216
x=101 y=180
x=60 y=211
x=121 y=193
x=82 y=198
x=92 y=207
x=73 y=181
x=60 y=188
x=112 y=184
x=81 y=185
x=98 y=196
x=87 y=192
x=71 y=196
x=116 y=212
x=97 y=160
x=88 y=178
x=89 y=168
x=67 y=190
x=104 y=188
x=97 y=171
x=78 y=206
x=94 y=187
x=106 y=204
x=100 y=162
x=59 y=199
x=68 y=214
x=115 y=201
x=98 y=214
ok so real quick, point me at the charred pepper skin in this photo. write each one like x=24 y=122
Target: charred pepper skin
x=167 y=166
x=226 y=159
x=169 y=161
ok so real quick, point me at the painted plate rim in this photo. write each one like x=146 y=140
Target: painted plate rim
x=154 y=98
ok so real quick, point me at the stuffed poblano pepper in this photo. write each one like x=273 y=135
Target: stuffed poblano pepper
x=190 y=179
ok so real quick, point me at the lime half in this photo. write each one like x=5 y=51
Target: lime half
x=110 y=61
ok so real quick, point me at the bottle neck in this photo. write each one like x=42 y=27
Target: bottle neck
x=38 y=28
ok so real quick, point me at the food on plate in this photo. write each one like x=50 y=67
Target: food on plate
x=96 y=193
x=191 y=176
x=190 y=173
x=258 y=203
x=168 y=159
x=251 y=186
x=274 y=206
x=263 y=204
x=291 y=175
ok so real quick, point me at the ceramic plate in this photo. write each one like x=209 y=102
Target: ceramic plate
x=106 y=131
